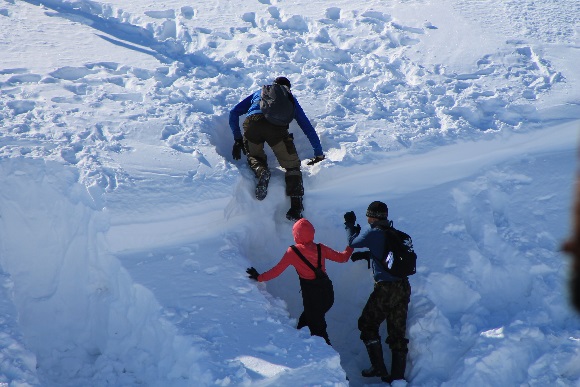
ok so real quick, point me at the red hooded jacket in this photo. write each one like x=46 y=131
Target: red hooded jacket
x=303 y=233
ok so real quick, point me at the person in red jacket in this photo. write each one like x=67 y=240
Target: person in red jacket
x=316 y=287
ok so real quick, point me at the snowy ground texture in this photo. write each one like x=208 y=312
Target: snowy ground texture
x=126 y=227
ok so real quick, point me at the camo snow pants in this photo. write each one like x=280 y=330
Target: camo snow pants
x=389 y=301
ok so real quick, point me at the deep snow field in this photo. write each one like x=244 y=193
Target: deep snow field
x=126 y=226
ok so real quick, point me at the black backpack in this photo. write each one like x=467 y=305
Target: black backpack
x=277 y=104
x=400 y=259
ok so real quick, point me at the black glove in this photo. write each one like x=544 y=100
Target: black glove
x=238 y=149
x=252 y=273
x=350 y=218
x=360 y=255
x=315 y=160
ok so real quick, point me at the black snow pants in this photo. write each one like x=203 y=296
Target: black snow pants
x=317 y=299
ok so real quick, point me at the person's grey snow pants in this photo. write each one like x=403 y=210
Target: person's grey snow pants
x=257 y=131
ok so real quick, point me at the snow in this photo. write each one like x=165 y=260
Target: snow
x=126 y=226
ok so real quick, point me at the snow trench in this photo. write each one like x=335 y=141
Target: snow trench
x=80 y=317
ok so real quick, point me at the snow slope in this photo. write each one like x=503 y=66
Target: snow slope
x=126 y=226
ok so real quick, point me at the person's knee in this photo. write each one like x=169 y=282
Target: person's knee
x=367 y=335
x=289 y=163
x=368 y=329
x=287 y=155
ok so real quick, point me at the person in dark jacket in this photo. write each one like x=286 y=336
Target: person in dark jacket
x=257 y=131
x=317 y=294
x=389 y=300
x=572 y=247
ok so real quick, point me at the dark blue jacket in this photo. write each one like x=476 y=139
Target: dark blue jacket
x=251 y=105
x=374 y=240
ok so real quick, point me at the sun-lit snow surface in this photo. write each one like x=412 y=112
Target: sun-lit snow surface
x=126 y=227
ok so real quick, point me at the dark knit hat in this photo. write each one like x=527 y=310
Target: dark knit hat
x=378 y=210
x=283 y=81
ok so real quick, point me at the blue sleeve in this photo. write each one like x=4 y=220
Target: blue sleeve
x=373 y=239
x=355 y=239
x=307 y=128
x=360 y=240
x=239 y=110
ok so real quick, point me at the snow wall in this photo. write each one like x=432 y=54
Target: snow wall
x=79 y=311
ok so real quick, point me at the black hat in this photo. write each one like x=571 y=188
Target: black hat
x=378 y=210
x=282 y=81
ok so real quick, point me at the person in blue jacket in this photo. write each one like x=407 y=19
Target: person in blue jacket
x=257 y=131
x=390 y=297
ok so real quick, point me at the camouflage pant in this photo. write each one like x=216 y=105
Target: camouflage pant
x=257 y=131
x=389 y=301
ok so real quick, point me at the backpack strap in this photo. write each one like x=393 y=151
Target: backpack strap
x=388 y=244
x=303 y=258
x=395 y=242
x=387 y=233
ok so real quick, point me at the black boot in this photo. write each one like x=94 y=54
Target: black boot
x=262 y=185
x=296 y=208
x=375 y=350
x=399 y=363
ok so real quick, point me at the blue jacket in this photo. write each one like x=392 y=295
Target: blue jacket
x=251 y=105
x=374 y=240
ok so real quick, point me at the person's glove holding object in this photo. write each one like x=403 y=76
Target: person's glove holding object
x=350 y=218
x=252 y=273
x=360 y=255
x=315 y=160
x=238 y=149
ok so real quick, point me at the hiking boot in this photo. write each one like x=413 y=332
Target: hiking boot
x=296 y=208
x=377 y=368
x=398 y=365
x=262 y=185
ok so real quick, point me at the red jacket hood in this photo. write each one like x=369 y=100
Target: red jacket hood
x=303 y=232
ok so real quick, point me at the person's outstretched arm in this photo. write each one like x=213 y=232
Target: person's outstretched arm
x=307 y=128
x=239 y=110
x=334 y=255
x=278 y=269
